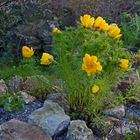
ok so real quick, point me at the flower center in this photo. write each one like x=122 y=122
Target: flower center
x=90 y=65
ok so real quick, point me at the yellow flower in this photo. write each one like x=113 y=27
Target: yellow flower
x=87 y=21
x=46 y=59
x=95 y=89
x=104 y=26
x=114 y=31
x=27 y=52
x=98 y=21
x=124 y=63
x=90 y=64
x=56 y=30
x=101 y=24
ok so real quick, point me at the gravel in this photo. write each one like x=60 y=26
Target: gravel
x=23 y=115
x=20 y=115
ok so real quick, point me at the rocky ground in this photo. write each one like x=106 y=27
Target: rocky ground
x=49 y=120
x=52 y=122
x=19 y=115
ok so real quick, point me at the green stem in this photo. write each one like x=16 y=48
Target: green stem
x=101 y=120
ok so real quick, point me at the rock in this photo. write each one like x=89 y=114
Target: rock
x=114 y=129
x=126 y=128
x=118 y=112
x=79 y=131
x=32 y=19
x=27 y=98
x=60 y=99
x=133 y=114
x=3 y=87
x=68 y=17
x=38 y=34
x=15 y=84
x=114 y=121
x=99 y=138
x=61 y=137
x=118 y=132
x=51 y=118
x=17 y=130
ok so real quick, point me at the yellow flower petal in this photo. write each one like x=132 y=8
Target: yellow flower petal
x=46 y=59
x=124 y=63
x=87 y=21
x=56 y=30
x=27 y=52
x=81 y=19
x=90 y=64
x=98 y=21
x=118 y=36
x=95 y=89
x=91 y=21
x=99 y=67
x=104 y=26
x=94 y=58
x=114 y=31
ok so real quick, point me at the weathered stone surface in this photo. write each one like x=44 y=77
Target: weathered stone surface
x=60 y=99
x=117 y=112
x=51 y=118
x=119 y=131
x=3 y=87
x=79 y=131
x=38 y=34
x=17 y=130
x=68 y=17
x=133 y=114
x=33 y=21
x=15 y=84
x=114 y=128
x=125 y=128
x=27 y=98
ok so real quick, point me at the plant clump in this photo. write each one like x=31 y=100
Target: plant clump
x=91 y=59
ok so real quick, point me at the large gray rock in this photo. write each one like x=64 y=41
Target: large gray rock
x=118 y=112
x=79 y=131
x=17 y=130
x=60 y=99
x=3 y=87
x=51 y=118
